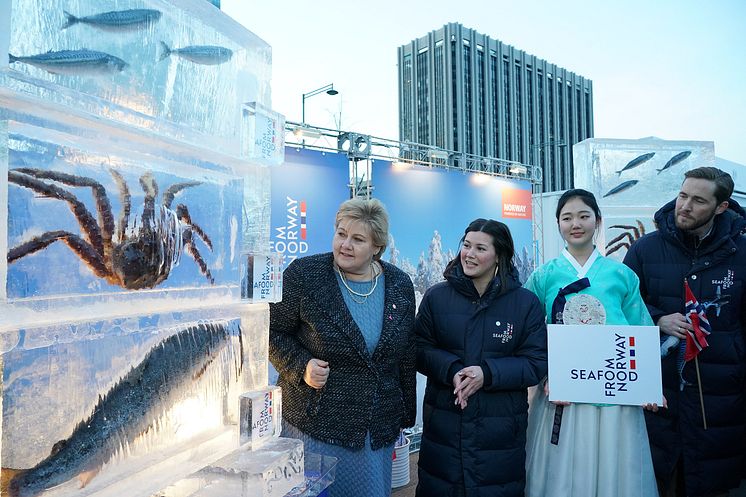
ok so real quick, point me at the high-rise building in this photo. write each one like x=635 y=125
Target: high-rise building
x=464 y=91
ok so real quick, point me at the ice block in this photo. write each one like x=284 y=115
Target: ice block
x=260 y=416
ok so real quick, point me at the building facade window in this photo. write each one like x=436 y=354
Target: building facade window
x=560 y=184
x=407 y=111
x=480 y=87
x=423 y=94
x=467 y=97
x=495 y=106
x=530 y=114
x=440 y=108
x=454 y=95
x=506 y=110
x=588 y=117
x=518 y=116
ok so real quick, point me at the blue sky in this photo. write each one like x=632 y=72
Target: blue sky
x=671 y=69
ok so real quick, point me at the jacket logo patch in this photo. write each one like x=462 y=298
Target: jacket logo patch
x=718 y=301
x=505 y=335
x=727 y=281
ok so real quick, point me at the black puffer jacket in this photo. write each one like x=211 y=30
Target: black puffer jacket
x=363 y=393
x=480 y=450
x=714 y=459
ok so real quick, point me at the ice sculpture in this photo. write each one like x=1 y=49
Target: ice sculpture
x=631 y=180
x=135 y=141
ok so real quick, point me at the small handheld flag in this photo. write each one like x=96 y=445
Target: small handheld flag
x=695 y=313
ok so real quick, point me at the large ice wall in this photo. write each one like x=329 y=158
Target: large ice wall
x=130 y=202
x=631 y=180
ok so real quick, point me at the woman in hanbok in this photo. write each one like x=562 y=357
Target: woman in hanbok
x=587 y=450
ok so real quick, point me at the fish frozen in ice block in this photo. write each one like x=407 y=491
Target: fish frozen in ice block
x=116 y=400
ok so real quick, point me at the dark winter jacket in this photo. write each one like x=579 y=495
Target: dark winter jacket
x=713 y=459
x=362 y=394
x=480 y=450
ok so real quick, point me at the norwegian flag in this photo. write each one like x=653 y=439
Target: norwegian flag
x=695 y=313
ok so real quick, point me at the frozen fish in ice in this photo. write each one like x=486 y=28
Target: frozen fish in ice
x=116 y=20
x=621 y=187
x=636 y=162
x=208 y=55
x=73 y=62
x=675 y=160
x=129 y=409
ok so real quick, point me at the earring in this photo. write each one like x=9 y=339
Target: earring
x=497 y=266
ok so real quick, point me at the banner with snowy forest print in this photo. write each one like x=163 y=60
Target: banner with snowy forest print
x=430 y=208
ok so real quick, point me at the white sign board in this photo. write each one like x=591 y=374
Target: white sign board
x=605 y=364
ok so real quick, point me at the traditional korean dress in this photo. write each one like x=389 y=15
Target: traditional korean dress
x=601 y=450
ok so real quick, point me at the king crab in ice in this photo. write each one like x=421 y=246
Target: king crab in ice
x=133 y=257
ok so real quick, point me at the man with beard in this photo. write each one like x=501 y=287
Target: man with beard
x=699 y=243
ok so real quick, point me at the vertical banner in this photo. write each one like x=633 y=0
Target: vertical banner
x=306 y=192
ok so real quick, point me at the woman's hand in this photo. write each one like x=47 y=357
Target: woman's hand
x=465 y=383
x=316 y=374
x=555 y=402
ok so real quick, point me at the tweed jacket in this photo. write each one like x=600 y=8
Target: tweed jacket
x=363 y=393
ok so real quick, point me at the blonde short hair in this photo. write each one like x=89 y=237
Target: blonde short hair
x=370 y=212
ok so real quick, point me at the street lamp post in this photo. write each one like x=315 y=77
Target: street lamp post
x=328 y=89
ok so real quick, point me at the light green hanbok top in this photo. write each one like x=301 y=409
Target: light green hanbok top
x=615 y=285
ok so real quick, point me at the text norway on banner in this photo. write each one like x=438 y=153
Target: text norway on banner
x=516 y=203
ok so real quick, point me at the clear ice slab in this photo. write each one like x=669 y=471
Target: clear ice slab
x=271 y=472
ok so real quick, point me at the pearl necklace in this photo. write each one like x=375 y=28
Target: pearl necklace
x=374 y=284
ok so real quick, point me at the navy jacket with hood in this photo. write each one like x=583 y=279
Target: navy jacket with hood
x=480 y=450
x=714 y=460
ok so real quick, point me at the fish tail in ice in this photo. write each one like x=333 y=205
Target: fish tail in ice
x=165 y=51
x=129 y=409
x=69 y=20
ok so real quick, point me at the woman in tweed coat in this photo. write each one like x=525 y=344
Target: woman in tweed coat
x=343 y=342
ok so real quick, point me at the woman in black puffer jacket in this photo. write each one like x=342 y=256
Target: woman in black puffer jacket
x=481 y=342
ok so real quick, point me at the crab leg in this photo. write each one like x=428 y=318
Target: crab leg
x=81 y=248
x=84 y=218
x=183 y=214
x=150 y=188
x=619 y=238
x=625 y=227
x=617 y=247
x=192 y=251
x=126 y=200
x=103 y=207
x=170 y=193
